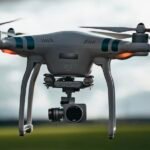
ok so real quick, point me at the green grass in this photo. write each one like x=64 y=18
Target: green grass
x=78 y=137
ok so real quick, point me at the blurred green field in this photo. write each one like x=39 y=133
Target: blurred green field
x=77 y=137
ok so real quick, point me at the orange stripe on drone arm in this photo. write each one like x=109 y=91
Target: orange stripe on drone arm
x=9 y=51
x=124 y=55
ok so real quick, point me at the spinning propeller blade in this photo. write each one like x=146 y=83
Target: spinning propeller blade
x=19 y=33
x=11 y=34
x=139 y=29
x=3 y=23
x=113 y=29
x=115 y=35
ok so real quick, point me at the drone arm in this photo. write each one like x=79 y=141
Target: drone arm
x=134 y=47
x=31 y=92
x=105 y=63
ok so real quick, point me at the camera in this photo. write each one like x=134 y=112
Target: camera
x=73 y=113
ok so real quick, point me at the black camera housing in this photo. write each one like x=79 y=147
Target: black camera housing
x=74 y=113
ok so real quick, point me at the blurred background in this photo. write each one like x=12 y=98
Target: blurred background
x=45 y=16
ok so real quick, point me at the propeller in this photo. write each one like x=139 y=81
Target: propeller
x=113 y=29
x=19 y=33
x=115 y=35
x=12 y=34
x=139 y=29
x=3 y=23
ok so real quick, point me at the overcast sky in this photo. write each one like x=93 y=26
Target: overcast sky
x=131 y=76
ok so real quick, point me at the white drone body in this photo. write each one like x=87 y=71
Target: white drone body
x=70 y=54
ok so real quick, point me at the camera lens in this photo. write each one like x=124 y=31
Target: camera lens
x=74 y=113
x=55 y=114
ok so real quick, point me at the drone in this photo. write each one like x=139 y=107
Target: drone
x=69 y=55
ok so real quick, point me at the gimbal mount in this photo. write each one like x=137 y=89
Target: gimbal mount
x=70 y=112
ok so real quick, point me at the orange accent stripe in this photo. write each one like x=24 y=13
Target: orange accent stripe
x=124 y=55
x=9 y=51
